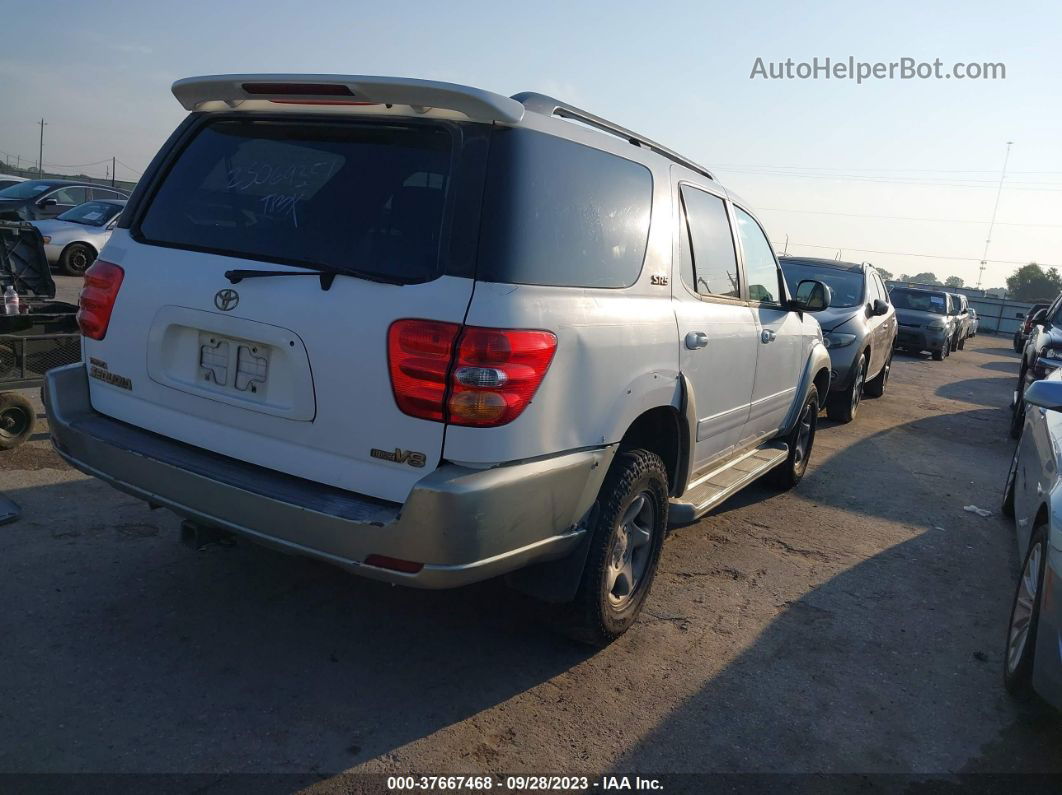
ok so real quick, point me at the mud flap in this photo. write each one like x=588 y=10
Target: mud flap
x=556 y=581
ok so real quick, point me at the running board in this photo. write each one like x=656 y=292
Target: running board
x=711 y=488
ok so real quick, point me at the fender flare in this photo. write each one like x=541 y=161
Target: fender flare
x=818 y=359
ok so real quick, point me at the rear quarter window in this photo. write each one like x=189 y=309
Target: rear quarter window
x=560 y=213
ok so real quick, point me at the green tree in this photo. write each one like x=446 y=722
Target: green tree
x=886 y=275
x=954 y=281
x=1032 y=283
x=925 y=277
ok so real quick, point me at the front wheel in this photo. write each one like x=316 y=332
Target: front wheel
x=1024 y=617
x=800 y=441
x=626 y=538
x=76 y=259
x=962 y=344
x=843 y=406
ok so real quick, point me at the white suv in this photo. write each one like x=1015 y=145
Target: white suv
x=435 y=335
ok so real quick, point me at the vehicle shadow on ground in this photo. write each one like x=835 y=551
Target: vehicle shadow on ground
x=869 y=671
x=243 y=658
x=986 y=391
x=1011 y=368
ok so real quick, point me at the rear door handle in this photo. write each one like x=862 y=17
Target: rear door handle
x=767 y=336
x=696 y=340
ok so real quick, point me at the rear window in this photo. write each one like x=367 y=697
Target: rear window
x=560 y=213
x=920 y=301
x=361 y=197
x=846 y=287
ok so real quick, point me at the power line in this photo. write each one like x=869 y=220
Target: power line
x=902 y=217
x=736 y=166
x=1036 y=187
x=926 y=256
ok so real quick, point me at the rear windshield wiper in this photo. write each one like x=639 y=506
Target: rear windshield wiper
x=326 y=276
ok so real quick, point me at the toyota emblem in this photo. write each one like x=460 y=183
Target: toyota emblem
x=226 y=299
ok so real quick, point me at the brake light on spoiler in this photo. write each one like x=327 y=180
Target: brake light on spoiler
x=466 y=375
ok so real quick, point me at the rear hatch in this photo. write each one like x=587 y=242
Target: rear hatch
x=290 y=371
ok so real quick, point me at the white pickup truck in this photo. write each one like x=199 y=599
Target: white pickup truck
x=434 y=335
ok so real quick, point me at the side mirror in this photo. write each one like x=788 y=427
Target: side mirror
x=812 y=296
x=879 y=307
x=47 y=203
x=1047 y=394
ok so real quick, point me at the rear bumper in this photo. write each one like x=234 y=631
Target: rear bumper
x=463 y=524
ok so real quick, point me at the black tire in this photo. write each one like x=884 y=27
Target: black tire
x=787 y=475
x=599 y=614
x=875 y=387
x=1017 y=345
x=1007 y=507
x=76 y=258
x=954 y=345
x=962 y=343
x=939 y=356
x=843 y=406
x=1025 y=609
x=17 y=419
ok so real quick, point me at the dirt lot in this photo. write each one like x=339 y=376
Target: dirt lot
x=855 y=624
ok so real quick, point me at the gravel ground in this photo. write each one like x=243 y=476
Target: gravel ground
x=852 y=625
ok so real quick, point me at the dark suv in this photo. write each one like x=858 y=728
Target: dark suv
x=38 y=199
x=926 y=320
x=1041 y=356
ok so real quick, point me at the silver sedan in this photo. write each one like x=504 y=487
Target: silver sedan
x=1033 y=497
x=72 y=240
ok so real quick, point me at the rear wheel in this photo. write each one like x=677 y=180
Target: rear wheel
x=800 y=441
x=76 y=259
x=17 y=419
x=625 y=545
x=962 y=343
x=843 y=406
x=1024 y=617
x=875 y=387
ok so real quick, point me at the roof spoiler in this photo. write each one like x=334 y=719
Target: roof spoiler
x=478 y=105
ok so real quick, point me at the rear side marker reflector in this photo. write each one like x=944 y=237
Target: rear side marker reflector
x=466 y=375
x=393 y=564
x=100 y=290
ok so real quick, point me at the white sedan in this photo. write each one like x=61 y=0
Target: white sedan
x=1033 y=497
x=72 y=240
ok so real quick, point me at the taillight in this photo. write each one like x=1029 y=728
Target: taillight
x=496 y=373
x=488 y=381
x=102 y=281
x=419 y=354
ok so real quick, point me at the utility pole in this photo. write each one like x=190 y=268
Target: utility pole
x=113 y=161
x=40 y=152
x=992 y=223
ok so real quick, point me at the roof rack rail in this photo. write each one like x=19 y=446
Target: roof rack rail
x=548 y=106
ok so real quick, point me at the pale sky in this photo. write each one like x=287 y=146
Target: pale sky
x=901 y=166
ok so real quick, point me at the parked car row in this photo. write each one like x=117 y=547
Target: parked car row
x=526 y=364
x=933 y=320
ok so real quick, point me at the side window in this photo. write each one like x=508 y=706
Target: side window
x=102 y=193
x=72 y=196
x=761 y=269
x=882 y=288
x=714 y=259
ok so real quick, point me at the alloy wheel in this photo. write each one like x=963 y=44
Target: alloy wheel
x=1024 y=604
x=631 y=549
